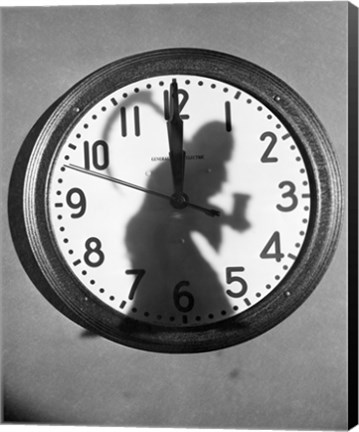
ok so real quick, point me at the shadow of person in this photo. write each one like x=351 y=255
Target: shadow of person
x=161 y=242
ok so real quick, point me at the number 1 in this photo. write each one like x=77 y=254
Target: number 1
x=227 y=109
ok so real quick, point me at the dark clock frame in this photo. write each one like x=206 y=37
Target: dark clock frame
x=39 y=255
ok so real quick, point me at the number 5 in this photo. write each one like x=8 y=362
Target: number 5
x=230 y=278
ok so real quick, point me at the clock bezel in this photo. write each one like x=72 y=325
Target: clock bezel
x=36 y=247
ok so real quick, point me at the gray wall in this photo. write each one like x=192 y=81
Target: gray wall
x=295 y=375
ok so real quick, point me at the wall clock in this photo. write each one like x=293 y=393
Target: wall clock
x=180 y=200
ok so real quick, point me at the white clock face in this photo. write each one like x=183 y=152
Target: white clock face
x=144 y=258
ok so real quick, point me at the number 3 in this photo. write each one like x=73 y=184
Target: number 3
x=289 y=194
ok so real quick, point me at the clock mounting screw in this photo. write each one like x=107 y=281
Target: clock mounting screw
x=76 y=109
x=287 y=294
x=277 y=98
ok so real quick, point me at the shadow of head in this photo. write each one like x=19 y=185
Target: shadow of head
x=216 y=145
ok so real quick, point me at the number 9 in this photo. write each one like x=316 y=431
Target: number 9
x=77 y=203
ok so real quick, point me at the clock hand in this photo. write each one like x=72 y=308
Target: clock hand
x=175 y=139
x=179 y=201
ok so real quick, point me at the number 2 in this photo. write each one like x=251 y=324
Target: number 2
x=266 y=158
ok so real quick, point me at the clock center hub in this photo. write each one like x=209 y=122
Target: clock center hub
x=179 y=200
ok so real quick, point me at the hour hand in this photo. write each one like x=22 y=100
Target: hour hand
x=175 y=139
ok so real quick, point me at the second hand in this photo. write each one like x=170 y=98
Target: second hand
x=209 y=212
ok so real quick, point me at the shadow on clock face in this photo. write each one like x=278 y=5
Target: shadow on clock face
x=178 y=251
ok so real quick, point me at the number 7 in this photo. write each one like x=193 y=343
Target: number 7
x=139 y=275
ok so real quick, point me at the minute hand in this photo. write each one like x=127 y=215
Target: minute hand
x=207 y=211
x=175 y=140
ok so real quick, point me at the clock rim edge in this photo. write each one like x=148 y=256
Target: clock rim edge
x=280 y=88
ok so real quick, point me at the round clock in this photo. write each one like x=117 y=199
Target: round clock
x=179 y=200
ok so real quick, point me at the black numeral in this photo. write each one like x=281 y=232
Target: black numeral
x=139 y=275
x=181 y=105
x=99 y=153
x=230 y=278
x=76 y=200
x=274 y=245
x=93 y=256
x=227 y=111
x=136 y=121
x=272 y=142
x=289 y=194
x=183 y=300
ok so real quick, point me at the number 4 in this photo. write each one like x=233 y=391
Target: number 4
x=273 y=243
